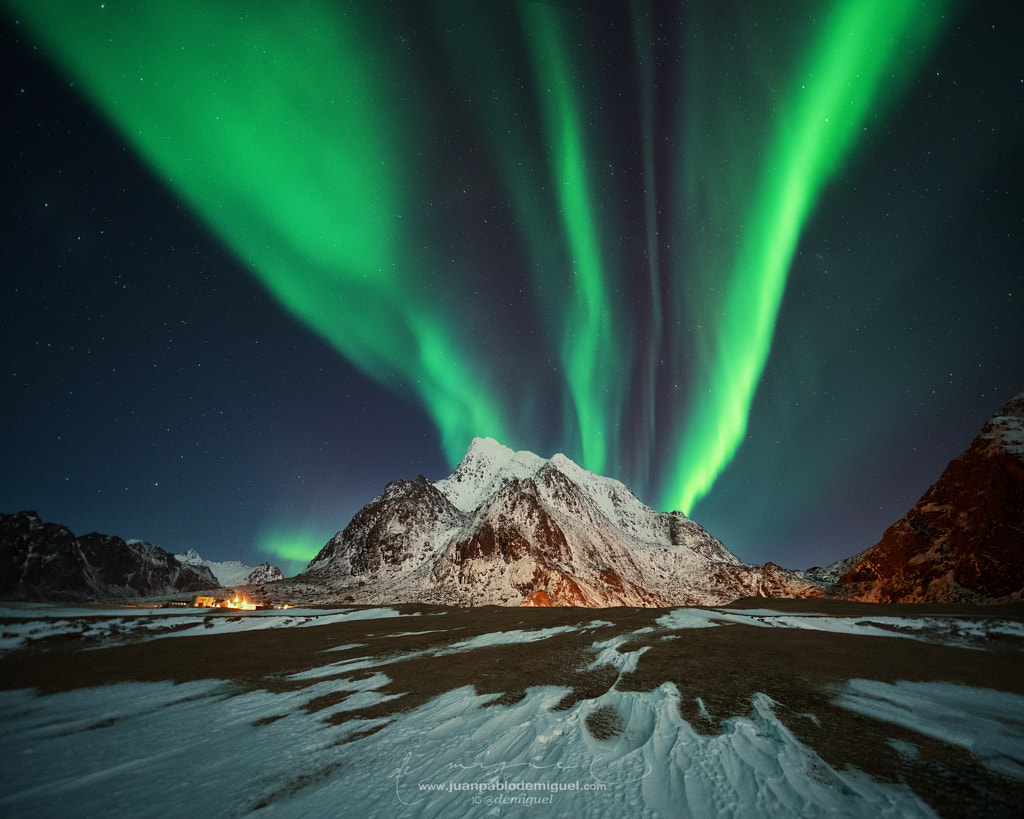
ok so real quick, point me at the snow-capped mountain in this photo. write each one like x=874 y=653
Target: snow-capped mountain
x=45 y=561
x=964 y=540
x=232 y=572
x=511 y=528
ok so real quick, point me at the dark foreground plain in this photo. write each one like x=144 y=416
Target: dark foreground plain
x=764 y=705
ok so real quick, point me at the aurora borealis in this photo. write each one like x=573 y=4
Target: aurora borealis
x=855 y=63
x=761 y=264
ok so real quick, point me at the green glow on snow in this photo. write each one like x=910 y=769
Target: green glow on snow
x=864 y=52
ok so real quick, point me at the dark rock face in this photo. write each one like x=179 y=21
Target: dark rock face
x=45 y=561
x=264 y=573
x=964 y=540
x=390 y=530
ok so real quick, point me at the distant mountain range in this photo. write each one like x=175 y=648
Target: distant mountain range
x=232 y=572
x=46 y=561
x=512 y=528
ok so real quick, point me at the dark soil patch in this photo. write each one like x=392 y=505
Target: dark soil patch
x=605 y=723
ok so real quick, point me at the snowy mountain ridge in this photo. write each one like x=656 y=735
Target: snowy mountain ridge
x=509 y=528
x=232 y=572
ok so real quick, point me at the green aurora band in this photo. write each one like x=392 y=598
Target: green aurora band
x=590 y=343
x=292 y=155
x=292 y=547
x=574 y=269
x=284 y=127
x=648 y=375
x=858 y=59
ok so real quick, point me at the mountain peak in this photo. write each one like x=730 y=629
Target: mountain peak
x=485 y=464
x=191 y=556
x=1005 y=429
x=487 y=447
x=510 y=526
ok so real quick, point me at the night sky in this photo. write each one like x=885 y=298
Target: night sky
x=762 y=262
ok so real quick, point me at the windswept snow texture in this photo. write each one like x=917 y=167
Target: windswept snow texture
x=499 y=638
x=988 y=723
x=156 y=749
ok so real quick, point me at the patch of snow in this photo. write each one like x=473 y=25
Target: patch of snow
x=954 y=631
x=107 y=625
x=687 y=618
x=625 y=662
x=516 y=636
x=346 y=647
x=500 y=638
x=988 y=723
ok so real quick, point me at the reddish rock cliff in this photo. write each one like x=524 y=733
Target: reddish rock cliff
x=964 y=540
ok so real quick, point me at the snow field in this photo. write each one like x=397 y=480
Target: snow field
x=159 y=749
x=990 y=724
x=106 y=625
x=953 y=631
x=155 y=749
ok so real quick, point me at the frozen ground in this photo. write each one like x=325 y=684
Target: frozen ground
x=413 y=711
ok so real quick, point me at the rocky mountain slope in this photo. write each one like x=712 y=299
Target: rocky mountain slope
x=511 y=528
x=232 y=572
x=964 y=540
x=46 y=561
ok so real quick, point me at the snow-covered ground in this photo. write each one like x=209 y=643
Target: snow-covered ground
x=951 y=631
x=216 y=748
x=100 y=628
